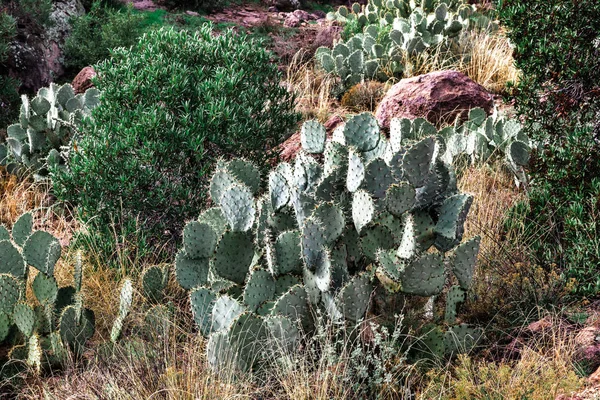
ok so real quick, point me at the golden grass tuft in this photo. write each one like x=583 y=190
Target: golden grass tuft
x=313 y=88
x=544 y=370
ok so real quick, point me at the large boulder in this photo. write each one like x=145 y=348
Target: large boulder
x=439 y=97
x=37 y=59
x=83 y=80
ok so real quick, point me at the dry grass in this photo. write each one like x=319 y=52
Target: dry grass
x=544 y=370
x=313 y=87
x=490 y=62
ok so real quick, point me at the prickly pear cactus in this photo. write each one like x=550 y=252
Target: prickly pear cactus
x=367 y=212
x=482 y=138
x=46 y=332
x=392 y=32
x=47 y=123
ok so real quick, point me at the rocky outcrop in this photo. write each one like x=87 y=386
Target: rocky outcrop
x=439 y=97
x=36 y=60
x=83 y=80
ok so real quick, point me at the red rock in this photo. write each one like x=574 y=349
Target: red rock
x=83 y=80
x=438 y=96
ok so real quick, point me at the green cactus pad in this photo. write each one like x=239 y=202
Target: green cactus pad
x=463 y=260
x=220 y=181
x=284 y=283
x=10 y=292
x=215 y=218
x=424 y=276
x=313 y=241
x=4 y=235
x=40 y=105
x=75 y=330
x=238 y=207
x=378 y=178
x=335 y=157
x=218 y=351
x=433 y=342
x=278 y=190
x=45 y=288
x=400 y=198
x=461 y=338
x=199 y=240
x=519 y=153
x=424 y=229
x=202 y=301
x=294 y=305
x=247 y=337
x=354 y=298
x=313 y=136
x=454 y=296
x=234 y=255
x=450 y=225
x=332 y=221
x=189 y=272
x=363 y=209
x=245 y=172
x=259 y=289
x=390 y=264
x=5 y=324
x=34 y=353
x=283 y=334
x=417 y=161
x=64 y=298
x=356 y=171
x=42 y=251
x=24 y=317
x=225 y=310
x=153 y=283
x=362 y=132
x=11 y=261
x=22 y=229
x=375 y=238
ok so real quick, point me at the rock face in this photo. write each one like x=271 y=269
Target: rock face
x=438 y=97
x=36 y=60
x=83 y=80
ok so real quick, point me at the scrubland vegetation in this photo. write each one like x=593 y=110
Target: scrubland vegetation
x=154 y=244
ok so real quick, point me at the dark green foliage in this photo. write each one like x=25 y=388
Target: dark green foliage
x=204 y=5
x=557 y=47
x=8 y=86
x=170 y=107
x=101 y=29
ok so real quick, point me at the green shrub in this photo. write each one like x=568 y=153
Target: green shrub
x=171 y=106
x=558 y=100
x=8 y=86
x=101 y=29
x=204 y=5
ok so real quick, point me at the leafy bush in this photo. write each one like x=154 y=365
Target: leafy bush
x=558 y=98
x=559 y=89
x=101 y=29
x=8 y=86
x=171 y=106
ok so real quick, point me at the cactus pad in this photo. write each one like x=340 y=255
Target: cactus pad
x=199 y=240
x=189 y=272
x=454 y=296
x=463 y=260
x=202 y=301
x=362 y=132
x=10 y=292
x=45 y=288
x=400 y=198
x=153 y=283
x=354 y=297
x=287 y=253
x=42 y=251
x=313 y=136
x=238 y=207
x=22 y=229
x=259 y=289
x=234 y=255
x=11 y=261
x=424 y=276
x=363 y=209
x=245 y=172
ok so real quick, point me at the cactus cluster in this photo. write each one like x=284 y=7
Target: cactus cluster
x=392 y=32
x=152 y=284
x=372 y=213
x=44 y=333
x=46 y=123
